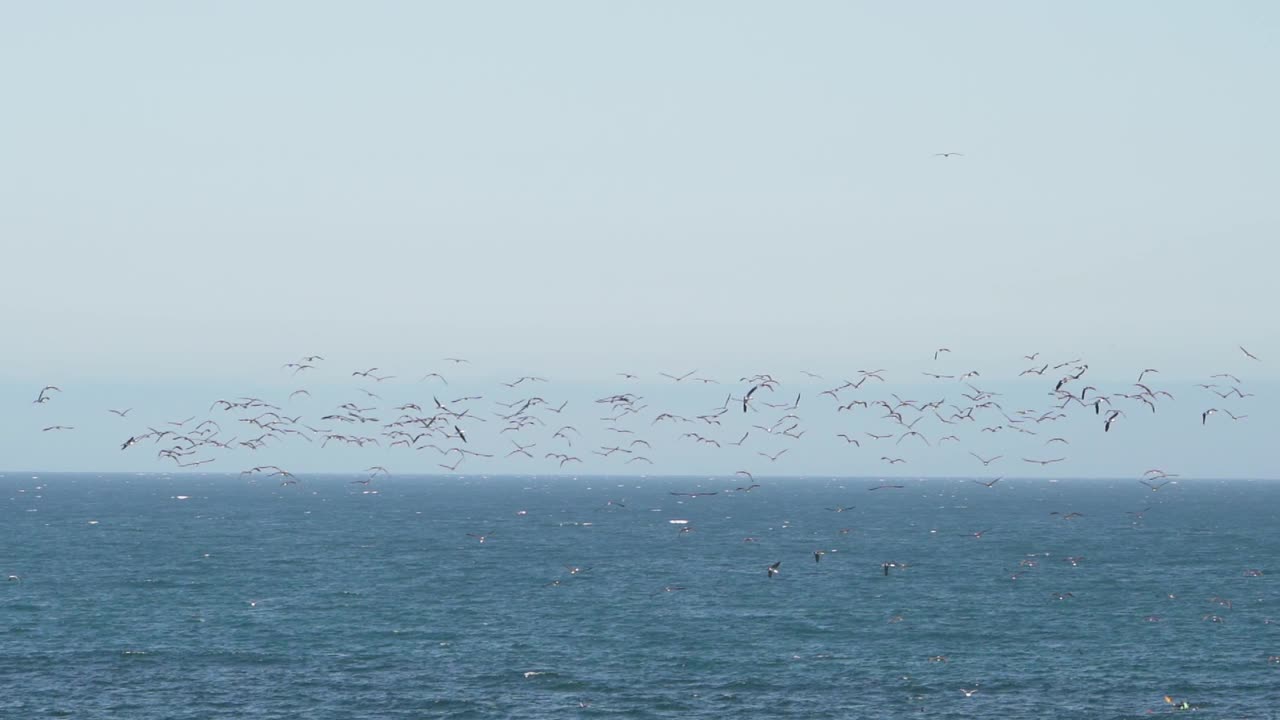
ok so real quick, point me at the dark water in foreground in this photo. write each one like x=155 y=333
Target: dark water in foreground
x=323 y=601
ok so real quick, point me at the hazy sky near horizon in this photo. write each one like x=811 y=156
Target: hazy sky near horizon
x=195 y=192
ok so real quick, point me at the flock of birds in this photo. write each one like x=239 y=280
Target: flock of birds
x=520 y=421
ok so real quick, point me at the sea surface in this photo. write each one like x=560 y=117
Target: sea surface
x=211 y=596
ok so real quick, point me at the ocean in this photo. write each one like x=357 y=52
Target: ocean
x=217 y=596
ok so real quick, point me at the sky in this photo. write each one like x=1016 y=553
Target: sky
x=194 y=195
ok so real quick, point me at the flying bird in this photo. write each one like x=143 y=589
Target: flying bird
x=43 y=397
x=1042 y=463
x=679 y=378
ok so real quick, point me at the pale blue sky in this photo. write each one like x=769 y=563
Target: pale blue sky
x=193 y=194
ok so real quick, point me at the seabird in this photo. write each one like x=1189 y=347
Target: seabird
x=985 y=462
x=43 y=396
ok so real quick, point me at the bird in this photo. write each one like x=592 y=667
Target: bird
x=948 y=154
x=1042 y=463
x=1248 y=354
x=121 y=413
x=817 y=555
x=969 y=692
x=1155 y=487
x=43 y=397
x=678 y=378
x=774 y=568
x=985 y=462
x=989 y=484
x=481 y=537
x=1204 y=416
x=1111 y=418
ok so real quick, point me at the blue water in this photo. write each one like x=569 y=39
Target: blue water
x=324 y=600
